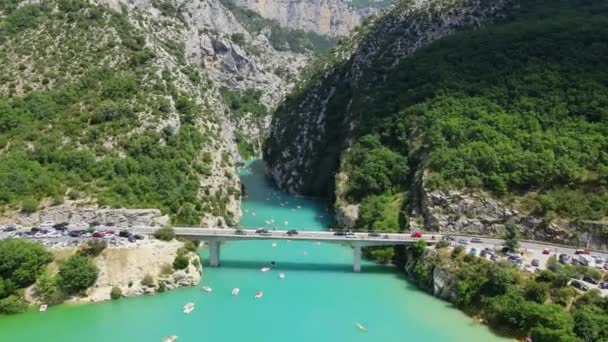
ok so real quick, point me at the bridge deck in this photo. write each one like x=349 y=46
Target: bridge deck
x=220 y=234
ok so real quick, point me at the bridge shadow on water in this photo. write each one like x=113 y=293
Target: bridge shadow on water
x=307 y=266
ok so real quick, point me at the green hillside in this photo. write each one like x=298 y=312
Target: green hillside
x=80 y=114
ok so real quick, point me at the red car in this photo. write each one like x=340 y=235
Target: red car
x=546 y=251
x=416 y=234
x=110 y=232
x=97 y=235
x=582 y=251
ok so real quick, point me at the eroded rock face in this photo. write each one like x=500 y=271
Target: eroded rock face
x=479 y=213
x=327 y=17
x=125 y=268
x=72 y=213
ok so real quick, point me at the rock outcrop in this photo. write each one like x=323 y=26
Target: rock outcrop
x=327 y=17
x=75 y=214
x=125 y=268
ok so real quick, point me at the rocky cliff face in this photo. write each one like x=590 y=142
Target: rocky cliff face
x=313 y=127
x=327 y=17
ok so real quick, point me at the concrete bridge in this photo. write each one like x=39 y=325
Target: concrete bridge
x=215 y=236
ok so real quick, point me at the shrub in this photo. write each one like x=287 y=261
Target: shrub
x=190 y=246
x=93 y=247
x=12 y=305
x=77 y=274
x=47 y=288
x=148 y=281
x=418 y=248
x=458 y=250
x=21 y=261
x=180 y=262
x=115 y=293
x=29 y=205
x=165 y=234
x=166 y=270
x=162 y=287
x=442 y=244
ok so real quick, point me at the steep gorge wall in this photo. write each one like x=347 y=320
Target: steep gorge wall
x=327 y=17
x=313 y=127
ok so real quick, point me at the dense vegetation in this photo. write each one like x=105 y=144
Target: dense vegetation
x=542 y=305
x=71 y=119
x=517 y=108
x=21 y=263
x=282 y=39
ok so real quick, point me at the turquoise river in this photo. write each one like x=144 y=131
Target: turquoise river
x=320 y=298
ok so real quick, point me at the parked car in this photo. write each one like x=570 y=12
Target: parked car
x=9 y=229
x=350 y=234
x=579 y=285
x=590 y=280
x=605 y=265
x=582 y=251
x=35 y=230
x=131 y=239
x=416 y=234
x=485 y=253
x=448 y=238
x=463 y=241
x=124 y=234
x=138 y=237
x=374 y=234
x=240 y=232
x=546 y=251
x=292 y=232
x=260 y=231
x=535 y=262
x=603 y=285
x=574 y=261
x=98 y=235
x=339 y=233
x=473 y=251
x=476 y=240
x=564 y=258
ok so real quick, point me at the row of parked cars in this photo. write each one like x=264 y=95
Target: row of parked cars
x=61 y=230
x=582 y=257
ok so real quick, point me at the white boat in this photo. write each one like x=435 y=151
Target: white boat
x=170 y=339
x=235 y=291
x=286 y=223
x=188 y=308
x=361 y=327
x=305 y=253
x=259 y=294
x=282 y=275
x=274 y=244
x=207 y=289
x=265 y=269
x=43 y=308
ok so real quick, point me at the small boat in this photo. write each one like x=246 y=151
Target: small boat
x=207 y=289
x=282 y=275
x=286 y=222
x=170 y=339
x=274 y=244
x=361 y=327
x=253 y=213
x=188 y=308
x=259 y=294
x=265 y=269
x=43 y=308
x=305 y=253
x=235 y=291
x=318 y=243
x=299 y=207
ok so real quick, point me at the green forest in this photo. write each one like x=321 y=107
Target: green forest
x=519 y=108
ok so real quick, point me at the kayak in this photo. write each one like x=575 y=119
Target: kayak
x=361 y=327
x=43 y=308
x=282 y=275
x=274 y=244
x=259 y=294
x=235 y=291
x=265 y=269
x=207 y=289
x=170 y=339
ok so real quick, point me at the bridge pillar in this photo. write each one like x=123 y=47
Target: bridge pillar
x=357 y=259
x=214 y=253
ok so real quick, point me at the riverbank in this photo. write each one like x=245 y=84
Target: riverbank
x=136 y=270
x=511 y=301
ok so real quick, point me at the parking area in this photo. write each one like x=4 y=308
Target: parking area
x=63 y=235
x=534 y=257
